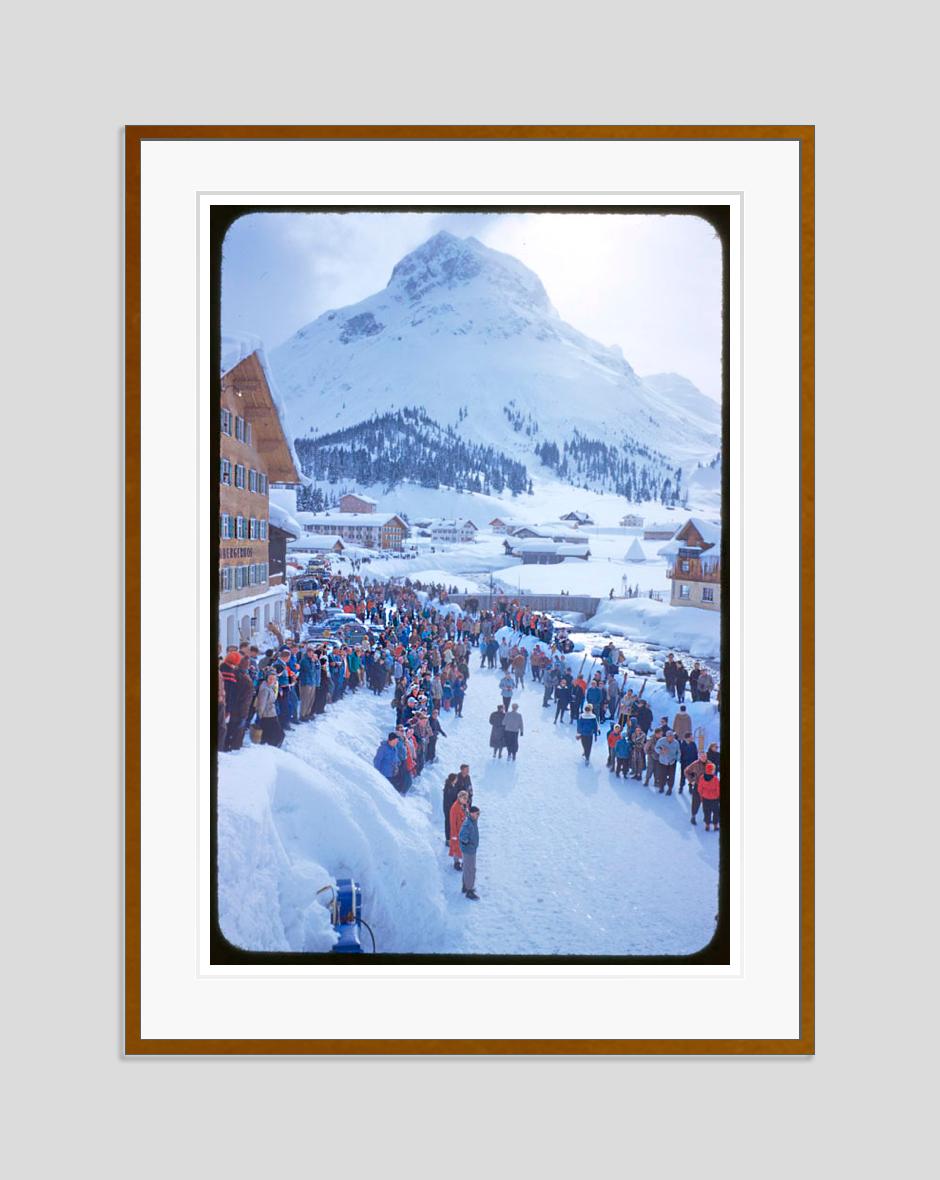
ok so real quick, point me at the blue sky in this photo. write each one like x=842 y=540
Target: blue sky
x=650 y=284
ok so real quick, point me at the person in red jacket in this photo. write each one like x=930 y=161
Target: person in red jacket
x=458 y=813
x=709 y=790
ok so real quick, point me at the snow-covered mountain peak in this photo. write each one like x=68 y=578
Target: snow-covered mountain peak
x=445 y=262
x=466 y=335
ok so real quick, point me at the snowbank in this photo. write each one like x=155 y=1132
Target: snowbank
x=286 y=828
x=686 y=628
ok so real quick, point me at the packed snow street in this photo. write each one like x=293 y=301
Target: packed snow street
x=572 y=859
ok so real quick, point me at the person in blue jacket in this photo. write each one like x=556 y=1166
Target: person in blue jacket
x=622 y=752
x=469 y=839
x=386 y=760
x=588 y=729
x=595 y=696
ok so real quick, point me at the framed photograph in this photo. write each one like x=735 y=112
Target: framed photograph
x=469 y=483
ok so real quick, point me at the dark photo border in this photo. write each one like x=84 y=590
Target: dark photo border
x=718 y=949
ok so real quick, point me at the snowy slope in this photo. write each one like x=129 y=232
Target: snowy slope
x=462 y=326
x=685 y=397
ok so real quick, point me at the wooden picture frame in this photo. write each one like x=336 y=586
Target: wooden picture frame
x=138 y=1044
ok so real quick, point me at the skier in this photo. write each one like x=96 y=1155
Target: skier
x=588 y=730
x=577 y=698
x=512 y=732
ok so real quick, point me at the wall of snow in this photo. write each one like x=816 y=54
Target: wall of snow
x=695 y=631
x=287 y=828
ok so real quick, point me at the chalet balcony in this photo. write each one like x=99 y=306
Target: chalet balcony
x=691 y=569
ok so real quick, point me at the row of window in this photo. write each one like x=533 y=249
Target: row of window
x=242 y=528
x=237 y=577
x=237 y=475
x=708 y=592
x=240 y=428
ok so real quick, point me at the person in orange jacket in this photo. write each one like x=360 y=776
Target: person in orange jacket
x=458 y=813
x=709 y=790
x=613 y=737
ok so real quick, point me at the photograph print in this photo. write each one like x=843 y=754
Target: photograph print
x=469 y=601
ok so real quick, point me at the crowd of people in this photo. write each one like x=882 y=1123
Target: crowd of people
x=422 y=650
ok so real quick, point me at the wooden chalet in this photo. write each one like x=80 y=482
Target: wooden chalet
x=254 y=452
x=695 y=572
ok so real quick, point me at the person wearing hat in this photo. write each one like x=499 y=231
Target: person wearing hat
x=709 y=790
x=309 y=681
x=469 y=840
x=386 y=760
x=588 y=729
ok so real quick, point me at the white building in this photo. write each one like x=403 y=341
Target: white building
x=453 y=531
x=372 y=530
x=317 y=543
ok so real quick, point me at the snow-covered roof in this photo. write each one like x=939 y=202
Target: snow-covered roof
x=665 y=526
x=670 y=549
x=318 y=542
x=709 y=531
x=346 y=518
x=282 y=519
x=359 y=496
x=236 y=347
x=539 y=545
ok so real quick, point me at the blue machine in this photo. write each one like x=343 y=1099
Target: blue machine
x=346 y=911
